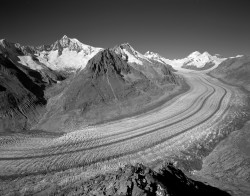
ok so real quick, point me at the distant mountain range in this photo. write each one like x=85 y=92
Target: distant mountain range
x=69 y=54
x=195 y=60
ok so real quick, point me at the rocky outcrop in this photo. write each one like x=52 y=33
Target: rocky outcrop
x=139 y=180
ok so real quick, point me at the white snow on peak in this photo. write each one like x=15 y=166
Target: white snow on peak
x=194 y=54
x=70 y=56
x=152 y=55
x=68 y=60
x=194 y=59
x=199 y=60
x=73 y=44
x=29 y=62
x=73 y=55
x=159 y=58
x=133 y=56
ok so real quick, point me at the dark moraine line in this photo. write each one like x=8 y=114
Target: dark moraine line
x=43 y=172
x=118 y=141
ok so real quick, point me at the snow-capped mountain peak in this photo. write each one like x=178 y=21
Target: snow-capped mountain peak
x=206 y=53
x=70 y=43
x=150 y=54
x=66 y=54
x=65 y=40
x=159 y=58
x=201 y=60
x=130 y=54
x=194 y=60
x=194 y=54
x=129 y=48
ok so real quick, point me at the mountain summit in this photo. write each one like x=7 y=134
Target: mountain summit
x=197 y=60
x=66 y=54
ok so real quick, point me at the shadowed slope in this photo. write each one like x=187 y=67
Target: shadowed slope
x=19 y=97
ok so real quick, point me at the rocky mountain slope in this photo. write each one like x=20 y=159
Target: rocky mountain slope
x=23 y=83
x=21 y=96
x=140 y=180
x=235 y=71
x=152 y=68
x=108 y=87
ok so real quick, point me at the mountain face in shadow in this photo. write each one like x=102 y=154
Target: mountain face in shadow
x=108 y=87
x=21 y=94
x=140 y=180
x=23 y=87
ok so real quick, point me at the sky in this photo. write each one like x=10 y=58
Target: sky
x=172 y=28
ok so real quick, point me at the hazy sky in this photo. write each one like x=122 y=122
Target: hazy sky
x=173 y=28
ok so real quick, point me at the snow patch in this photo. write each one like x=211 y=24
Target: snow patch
x=29 y=62
x=132 y=58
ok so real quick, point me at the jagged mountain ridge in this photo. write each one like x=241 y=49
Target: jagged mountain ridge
x=197 y=60
x=153 y=69
x=69 y=54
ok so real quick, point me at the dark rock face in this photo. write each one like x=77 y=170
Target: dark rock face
x=139 y=180
x=105 y=61
x=106 y=78
x=21 y=93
